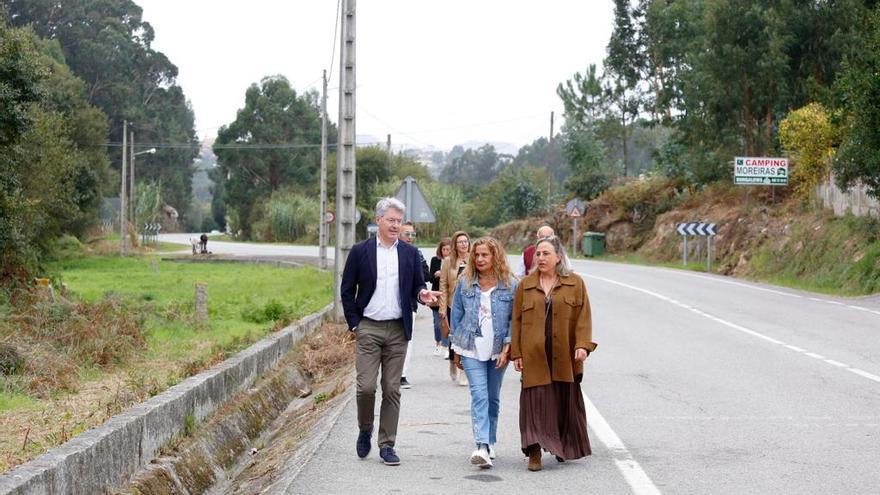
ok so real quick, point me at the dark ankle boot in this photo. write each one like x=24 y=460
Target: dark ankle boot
x=535 y=458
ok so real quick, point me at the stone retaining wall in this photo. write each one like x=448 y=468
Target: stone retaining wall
x=107 y=456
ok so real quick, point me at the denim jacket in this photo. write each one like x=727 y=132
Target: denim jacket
x=464 y=322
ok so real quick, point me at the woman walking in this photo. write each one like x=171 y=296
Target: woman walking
x=480 y=322
x=441 y=344
x=450 y=269
x=551 y=337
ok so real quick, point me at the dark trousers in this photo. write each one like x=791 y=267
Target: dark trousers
x=380 y=344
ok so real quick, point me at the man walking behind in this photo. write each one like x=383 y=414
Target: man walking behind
x=380 y=280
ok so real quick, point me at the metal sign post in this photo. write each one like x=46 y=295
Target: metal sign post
x=575 y=208
x=707 y=230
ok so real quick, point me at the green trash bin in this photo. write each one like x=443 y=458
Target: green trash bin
x=594 y=244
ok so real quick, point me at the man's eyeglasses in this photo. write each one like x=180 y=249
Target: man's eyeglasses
x=408 y=234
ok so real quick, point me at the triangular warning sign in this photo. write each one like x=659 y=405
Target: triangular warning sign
x=575 y=212
x=417 y=208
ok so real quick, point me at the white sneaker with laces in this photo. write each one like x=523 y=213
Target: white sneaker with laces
x=480 y=457
x=491 y=451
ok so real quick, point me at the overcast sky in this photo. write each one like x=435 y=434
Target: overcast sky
x=433 y=73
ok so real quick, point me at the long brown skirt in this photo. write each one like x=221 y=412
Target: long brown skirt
x=554 y=417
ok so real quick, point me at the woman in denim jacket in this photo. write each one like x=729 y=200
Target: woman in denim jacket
x=480 y=323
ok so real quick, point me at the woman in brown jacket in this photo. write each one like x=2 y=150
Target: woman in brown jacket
x=450 y=269
x=551 y=338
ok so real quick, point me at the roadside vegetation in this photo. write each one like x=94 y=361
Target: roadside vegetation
x=780 y=239
x=112 y=332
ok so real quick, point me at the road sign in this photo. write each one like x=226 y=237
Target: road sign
x=372 y=228
x=575 y=208
x=706 y=230
x=762 y=171
x=696 y=228
x=329 y=216
x=417 y=208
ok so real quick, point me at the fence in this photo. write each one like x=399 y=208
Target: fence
x=855 y=200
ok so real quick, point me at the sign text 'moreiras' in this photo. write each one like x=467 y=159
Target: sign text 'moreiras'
x=766 y=171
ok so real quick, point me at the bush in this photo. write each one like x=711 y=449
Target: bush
x=56 y=337
x=11 y=361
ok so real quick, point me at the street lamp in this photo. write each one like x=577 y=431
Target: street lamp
x=133 y=205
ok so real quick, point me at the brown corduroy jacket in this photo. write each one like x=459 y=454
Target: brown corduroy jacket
x=572 y=329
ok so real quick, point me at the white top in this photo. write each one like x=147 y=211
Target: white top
x=385 y=303
x=482 y=345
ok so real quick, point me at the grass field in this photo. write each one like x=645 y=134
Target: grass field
x=127 y=331
x=237 y=293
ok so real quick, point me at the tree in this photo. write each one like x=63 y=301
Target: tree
x=622 y=92
x=589 y=175
x=513 y=194
x=20 y=75
x=808 y=136
x=473 y=169
x=858 y=158
x=274 y=142
x=107 y=44
x=50 y=176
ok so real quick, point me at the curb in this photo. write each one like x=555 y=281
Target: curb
x=110 y=454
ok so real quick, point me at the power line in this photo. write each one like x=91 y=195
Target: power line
x=333 y=51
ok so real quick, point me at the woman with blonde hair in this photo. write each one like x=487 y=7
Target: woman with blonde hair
x=551 y=337
x=450 y=269
x=480 y=322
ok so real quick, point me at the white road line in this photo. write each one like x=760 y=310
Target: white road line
x=869 y=376
x=772 y=291
x=742 y=329
x=632 y=472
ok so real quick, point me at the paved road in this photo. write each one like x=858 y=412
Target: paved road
x=701 y=384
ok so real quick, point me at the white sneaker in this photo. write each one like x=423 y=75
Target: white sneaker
x=480 y=457
x=444 y=351
x=437 y=351
x=491 y=451
x=462 y=379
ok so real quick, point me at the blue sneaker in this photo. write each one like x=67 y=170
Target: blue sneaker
x=388 y=456
x=363 y=442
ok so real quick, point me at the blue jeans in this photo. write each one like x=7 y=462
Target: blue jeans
x=437 y=334
x=485 y=383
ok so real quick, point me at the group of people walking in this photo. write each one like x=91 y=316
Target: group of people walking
x=486 y=316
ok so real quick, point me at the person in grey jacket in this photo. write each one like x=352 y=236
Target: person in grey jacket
x=480 y=323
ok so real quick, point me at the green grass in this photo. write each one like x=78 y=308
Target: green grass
x=234 y=290
x=840 y=258
x=11 y=401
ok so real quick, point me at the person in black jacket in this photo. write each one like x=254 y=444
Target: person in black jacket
x=444 y=248
x=380 y=279
x=408 y=235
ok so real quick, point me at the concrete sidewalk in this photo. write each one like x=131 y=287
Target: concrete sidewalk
x=435 y=440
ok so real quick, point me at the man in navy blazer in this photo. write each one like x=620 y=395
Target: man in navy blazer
x=381 y=277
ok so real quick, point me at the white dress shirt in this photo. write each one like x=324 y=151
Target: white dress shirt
x=385 y=303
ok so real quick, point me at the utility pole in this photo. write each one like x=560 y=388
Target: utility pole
x=132 y=206
x=123 y=211
x=388 y=146
x=324 y=227
x=549 y=156
x=345 y=151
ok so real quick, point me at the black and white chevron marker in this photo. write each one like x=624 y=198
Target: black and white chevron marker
x=696 y=228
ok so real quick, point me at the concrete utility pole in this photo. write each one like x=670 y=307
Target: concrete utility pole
x=550 y=168
x=345 y=151
x=324 y=227
x=123 y=211
x=388 y=146
x=131 y=193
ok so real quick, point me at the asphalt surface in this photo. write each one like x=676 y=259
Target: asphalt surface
x=701 y=384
